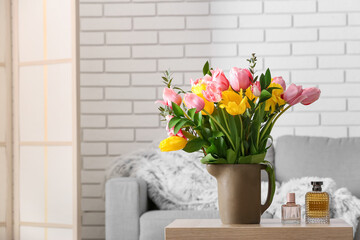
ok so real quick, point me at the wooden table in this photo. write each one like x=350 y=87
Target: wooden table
x=269 y=229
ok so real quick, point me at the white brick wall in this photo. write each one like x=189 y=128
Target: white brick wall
x=126 y=44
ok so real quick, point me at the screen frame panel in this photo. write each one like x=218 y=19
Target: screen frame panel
x=7 y=144
x=74 y=142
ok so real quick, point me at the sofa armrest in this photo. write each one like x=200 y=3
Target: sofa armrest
x=126 y=201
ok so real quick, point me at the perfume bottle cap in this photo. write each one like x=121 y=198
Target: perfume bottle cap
x=290 y=197
x=317 y=185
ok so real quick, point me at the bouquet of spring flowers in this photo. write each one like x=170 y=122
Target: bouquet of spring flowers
x=229 y=118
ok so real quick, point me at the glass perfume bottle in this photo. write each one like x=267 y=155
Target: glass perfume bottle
x=290 y=212
x=317 y=205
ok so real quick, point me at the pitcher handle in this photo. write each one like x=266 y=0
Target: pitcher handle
x=271 y=187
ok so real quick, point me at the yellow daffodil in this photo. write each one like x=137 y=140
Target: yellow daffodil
x=233 y=102
x=173 y=143
x=249 y=94
x=270 y=104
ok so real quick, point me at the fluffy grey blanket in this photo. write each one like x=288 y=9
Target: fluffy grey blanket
x=177 y=180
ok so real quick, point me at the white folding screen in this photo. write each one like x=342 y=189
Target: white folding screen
x=45 y=120
x=5 y=123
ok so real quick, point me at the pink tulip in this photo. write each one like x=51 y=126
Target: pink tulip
x=212 y=92
x=293 y=94
x=204 y=79
x=218 y=76
x=312 y=94
x=194 y=101
x=280 y=80
x=195 y=82
x=169 y=131
x=240 y=78
x=256 y=89
x=169 y=96
x=207 y=78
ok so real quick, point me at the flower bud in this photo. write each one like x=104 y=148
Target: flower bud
x=192 y=100
x=240 y=78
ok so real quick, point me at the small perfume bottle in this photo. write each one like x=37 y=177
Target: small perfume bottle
x=290 y=212
x=317 y=205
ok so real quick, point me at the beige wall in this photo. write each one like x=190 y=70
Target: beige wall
x=126 y=45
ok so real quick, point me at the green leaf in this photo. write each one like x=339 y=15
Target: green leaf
x=267 y=78
x=206 y=132
x=206 y=68
x=217 y=115
x=179 y=125
x=246 y=146
x=198 y=118
x=210 y=159
x=191 y=113
x=221 y=146
x=173 y=121
x=194 y=145
x=217 y=134
x=251 y=103
x=241 y=127
x=253 y=148
x=212 y=125
x=265 y=95
x=252 y=159
x=211 y=149
x=177 y=110
x=231 y=156
x=234 y=134
x=188 y=135
x=262 y=81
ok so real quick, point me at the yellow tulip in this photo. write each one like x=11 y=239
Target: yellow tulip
x=209 y=106
x=276 y=99
x=173 y=143
x=233 y=102
x=249 y=94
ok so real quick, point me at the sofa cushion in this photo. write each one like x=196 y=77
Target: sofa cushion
x=162 y=171
x=153 y=223
x=336 y=158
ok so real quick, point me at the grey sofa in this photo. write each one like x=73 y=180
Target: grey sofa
x=131 y=216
